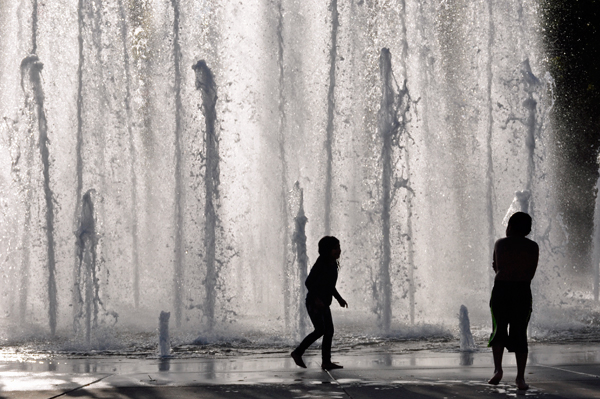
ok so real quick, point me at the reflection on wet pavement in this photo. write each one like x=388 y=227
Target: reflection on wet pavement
x=363 y=370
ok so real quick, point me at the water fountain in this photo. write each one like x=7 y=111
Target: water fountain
x=596 y=250
x=467 y=344
x=149 y=148
x=163 y=334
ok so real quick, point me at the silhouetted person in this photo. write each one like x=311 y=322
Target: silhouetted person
x=515 y=262
x=321 y=289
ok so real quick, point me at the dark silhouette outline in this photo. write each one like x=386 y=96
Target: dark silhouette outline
x=515 y=262
x=321 y=290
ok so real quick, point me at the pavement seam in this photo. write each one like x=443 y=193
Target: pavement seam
x=83 y=386
x=569 y=371
x=340 y=385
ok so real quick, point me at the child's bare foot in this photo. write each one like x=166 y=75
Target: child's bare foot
x=521 y=384
x=298 y=359
x=495 y=380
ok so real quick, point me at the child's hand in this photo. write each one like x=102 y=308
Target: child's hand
x=343 y=303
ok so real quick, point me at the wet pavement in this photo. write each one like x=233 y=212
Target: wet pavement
x=554 y=371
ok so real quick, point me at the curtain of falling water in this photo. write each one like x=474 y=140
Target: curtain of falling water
x=455 y=79
x=132 y=155
x=299 y=240
x=387 y=130
x=394 y=117
x=79 y=137
x=490 y=160
x=86 y=287
x=32 y=66
x=179 y=272
x=206 y=84
x=596 y=246
x=285 y=233
x=403 y=111
x=193 y=189
x=34 y=71
x=24 y=158
x=330 y=115
x=93 y=102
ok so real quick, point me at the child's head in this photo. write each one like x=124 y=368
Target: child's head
x=328 y=244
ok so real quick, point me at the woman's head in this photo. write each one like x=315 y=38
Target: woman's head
x=519 y=225
x=328 y=244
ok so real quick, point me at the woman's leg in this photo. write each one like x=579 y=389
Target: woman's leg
x=500 y=309
x=521 y=363
x=518 y=336
x=497 y=351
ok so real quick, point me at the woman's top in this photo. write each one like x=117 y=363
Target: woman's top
x=321 y=282
x=515 y=259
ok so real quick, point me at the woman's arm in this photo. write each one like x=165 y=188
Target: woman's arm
x=535 y=256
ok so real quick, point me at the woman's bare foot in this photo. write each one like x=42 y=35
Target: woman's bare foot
x=521 y=384
x=495 y=380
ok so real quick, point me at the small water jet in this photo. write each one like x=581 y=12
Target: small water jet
x=164 y=342
x=520 y=203
x=467 y=344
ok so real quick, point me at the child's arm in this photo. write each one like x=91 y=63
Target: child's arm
x=339 y=298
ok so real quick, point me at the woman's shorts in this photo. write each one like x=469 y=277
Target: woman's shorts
x=511 y=305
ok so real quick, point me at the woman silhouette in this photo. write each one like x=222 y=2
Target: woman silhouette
x=321 y=289
x=515 y=262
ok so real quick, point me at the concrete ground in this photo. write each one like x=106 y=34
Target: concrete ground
x=554 y=371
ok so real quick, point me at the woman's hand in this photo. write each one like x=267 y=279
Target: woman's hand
x=343 y=303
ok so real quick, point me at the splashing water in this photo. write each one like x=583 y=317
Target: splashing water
x=175 y=155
